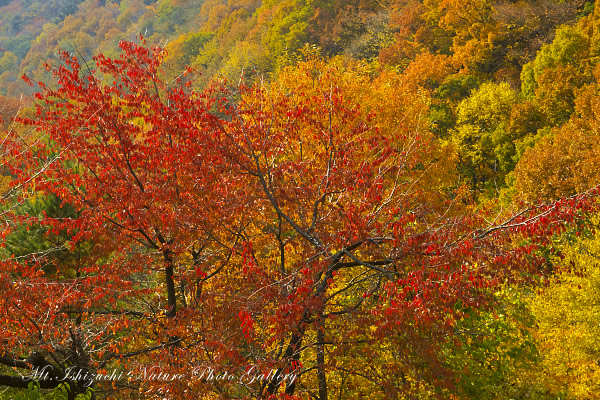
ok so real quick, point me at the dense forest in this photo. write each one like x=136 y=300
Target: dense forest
x=299 y=199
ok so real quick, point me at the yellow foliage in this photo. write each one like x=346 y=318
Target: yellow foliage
x=4 y=185
x=568 y=318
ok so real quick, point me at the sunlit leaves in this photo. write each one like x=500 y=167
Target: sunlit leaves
x=567 y=312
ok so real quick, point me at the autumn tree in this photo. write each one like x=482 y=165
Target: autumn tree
x=293 y=227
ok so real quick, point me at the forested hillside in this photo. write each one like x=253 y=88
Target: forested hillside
x=299 y=199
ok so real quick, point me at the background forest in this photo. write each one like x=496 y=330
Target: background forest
x=393 y=199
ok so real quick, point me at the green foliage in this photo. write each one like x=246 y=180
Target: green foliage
x=285 y=24
x=61 y=392
x=19 y=45
x=51 y=247
x=169 y=17
x=569 y=47
x=184 y=50
x=445 y=99
x=442 y=119
x=493 y=348
x=588 y=8
x=485 y=146
x=457 y=87
x=446 y=96
x=8 y=61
